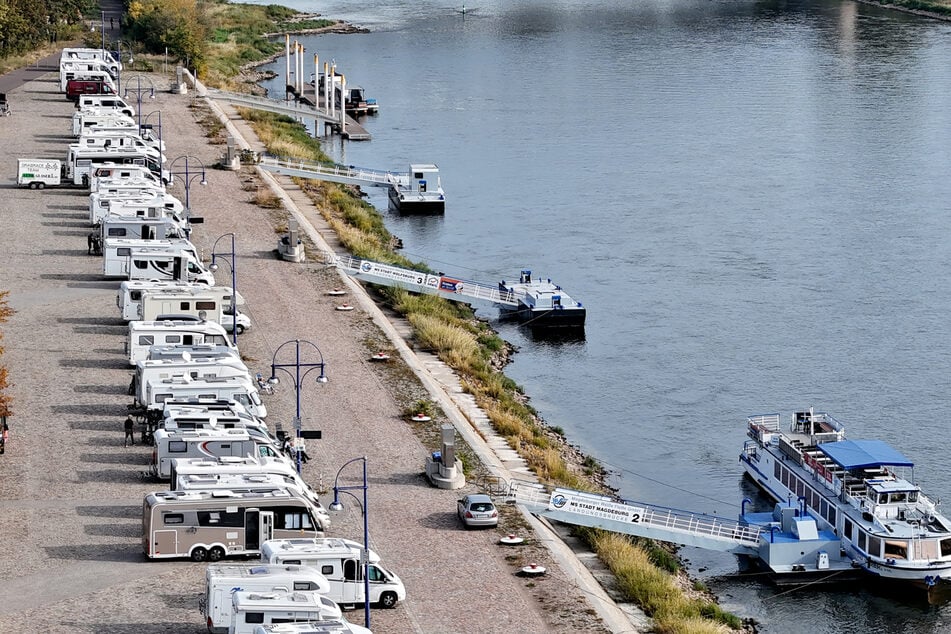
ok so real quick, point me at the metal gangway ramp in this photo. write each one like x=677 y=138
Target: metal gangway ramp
x=334 y=173
x=634 y=518
x=451 y=288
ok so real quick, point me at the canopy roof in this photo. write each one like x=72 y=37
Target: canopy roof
x=862 y=454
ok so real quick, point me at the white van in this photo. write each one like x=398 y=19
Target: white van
x=87 y=75
x=171 y=332
x=108 y=176
x=237 y=388
x=98 y=138
x=209 y=525
x=223 y=580
x=205 y=443
x=340 y=561
x=250 y=609
x=77 y=54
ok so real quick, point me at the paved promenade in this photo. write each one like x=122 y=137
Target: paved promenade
x=71 y=494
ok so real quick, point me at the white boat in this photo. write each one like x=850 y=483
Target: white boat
x=863 y=491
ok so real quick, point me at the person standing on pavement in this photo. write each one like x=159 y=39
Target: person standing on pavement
x=129 y=432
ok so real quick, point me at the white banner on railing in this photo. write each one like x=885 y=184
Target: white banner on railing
x=392 y=272
x=562 y=500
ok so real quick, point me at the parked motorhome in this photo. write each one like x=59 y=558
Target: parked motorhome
x=223 y=580
x=153 y=259
x=253 y=482
x=91 y=83
x=250 y=609
x=183 y=468
x=105 y=102
x=122 y=201
x=200 y=300
x=167 y=227
x=205 y=443
x=199 y=351
x=210 y=525
x=129 y=295
x=93 y=71
x=340 y=561
x=170 y=332
x=128 y=139
x=38 y=173
x=107 y=175
x=91 y=119
x=236 y=388
x=343 y=626
x=81 y=162
x=77 y=54
x=68 y=68
x=196 y=369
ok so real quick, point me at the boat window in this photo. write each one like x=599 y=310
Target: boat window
x=899 y=496
x=863 y=543
x=883 y=498
x=874 y=546
x=848 y=529
x=912 y=496
x=896 y=549
x=927 y=549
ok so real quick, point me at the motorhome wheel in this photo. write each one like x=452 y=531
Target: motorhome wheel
x=388 y=599
x=199 y=554
x=216 y=554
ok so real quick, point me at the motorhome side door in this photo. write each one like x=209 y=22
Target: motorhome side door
x=258 y=528
x=352 y=581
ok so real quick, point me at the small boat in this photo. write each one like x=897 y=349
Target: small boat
x=418 y=191
x=862 y=491
x=357 y=103
x=539 y=303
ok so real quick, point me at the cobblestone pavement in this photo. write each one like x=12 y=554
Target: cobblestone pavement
x=71 y=494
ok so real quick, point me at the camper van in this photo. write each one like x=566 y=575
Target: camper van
x=69 y=68
x=107 y=176
x=236 y=388
x=129 y=295
x=343 y=626
x=164 y=228
x=92 y=119
x=210 y=525
x=223 y=580
x=198 y=351
x=78 y=54
x=194 y=300
x=250 y=609
x=340 y=561
x=127 y=139
x=105 y=102
x=162 y=260
x=205 y=443
x=82 y=161
x=196 y=369
x=134 y=202
x=253 y=482
x=92 y=72
x=171 y=332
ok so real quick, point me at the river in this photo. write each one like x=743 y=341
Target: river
x=751 y=199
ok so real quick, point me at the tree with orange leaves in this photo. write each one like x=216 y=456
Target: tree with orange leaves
x=5 y=399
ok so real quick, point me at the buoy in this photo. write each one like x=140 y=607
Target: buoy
x=511 y=540
x=344 y=307
x=533 y=570
x=337 y=291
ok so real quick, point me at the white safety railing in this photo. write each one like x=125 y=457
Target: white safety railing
x=343 y=173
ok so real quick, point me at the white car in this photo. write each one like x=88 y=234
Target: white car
x=228 y=321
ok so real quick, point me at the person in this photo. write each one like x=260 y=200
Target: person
x=4 y=436
x=112 y=23
x=129 y=432
x=297 y=444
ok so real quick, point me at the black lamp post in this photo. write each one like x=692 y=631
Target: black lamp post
x=189 y=173
x=336 y=505
x=139 y=90
x=298 y=378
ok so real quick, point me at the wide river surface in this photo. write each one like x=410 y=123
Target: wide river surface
x=752 y=199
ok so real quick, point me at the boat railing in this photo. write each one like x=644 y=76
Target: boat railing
x=762 y=427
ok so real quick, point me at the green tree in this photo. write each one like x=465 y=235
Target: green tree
x=179 y=25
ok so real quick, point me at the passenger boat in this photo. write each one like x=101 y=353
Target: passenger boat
x=863 y=491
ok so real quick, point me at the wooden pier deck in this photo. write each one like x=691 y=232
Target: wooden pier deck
x=354 y=130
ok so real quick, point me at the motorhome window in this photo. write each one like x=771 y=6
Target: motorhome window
x=217 y=340
x=375 y=574
x=329 y=569
x=296 y=562
x=205 y=305
x=305 y=585
x=162 y=265
x=116 y=232
x=173 y=518
x=221 y=518
x=177 y=446
x=243 y=399
x=294 y=519
x=135 y=295
x=146 y=340
x=124 y=251
x=350 y=570
x=184 y=305
x=173 y=339
x=140 y=264
x=254 y=617
x=161 y=398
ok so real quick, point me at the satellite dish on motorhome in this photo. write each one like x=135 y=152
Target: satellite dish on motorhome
x=186 y=356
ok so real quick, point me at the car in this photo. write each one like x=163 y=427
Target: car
x=477 y=510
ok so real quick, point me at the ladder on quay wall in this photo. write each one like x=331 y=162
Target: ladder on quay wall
x=634 y=518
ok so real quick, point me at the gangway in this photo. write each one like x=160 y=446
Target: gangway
x=523 y=300
x=634 y=518
x=417 y=191
x=786 y=541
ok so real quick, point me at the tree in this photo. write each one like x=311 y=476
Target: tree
x=5 y=399
x=179 y=25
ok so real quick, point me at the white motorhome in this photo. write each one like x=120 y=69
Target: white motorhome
x=200 y=300
x=105 y=102
x=343 y=626
x=210 y=525
x=236 y=388
x=340 y=561
x=139 y=200
x=164 y=228
x=171 y=332
x=68 y=68
x=250 y=609
x=82 y=161
x=87 y=75
x=181 y=469
x=205 y=443
x=198 y=351
x=196 y=369
x=77 y=54
x=107 y=176
x=92 y=119
x=252 y=482
x=130 y=293
x=103 y=139
x=173 y=259
x=223 y=580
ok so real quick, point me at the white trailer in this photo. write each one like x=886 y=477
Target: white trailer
x=250 y=609
x=172 y=332
x=38 y=173
x=209 y=525
x=341 y=562
x=223 y=580
x=205 y=443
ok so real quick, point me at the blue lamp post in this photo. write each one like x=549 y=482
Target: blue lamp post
x=188 y=172
x=215 y=256
x=138 y=91
x=298 y=378
x=336 y=505
x=148 y=126
x=118 y=51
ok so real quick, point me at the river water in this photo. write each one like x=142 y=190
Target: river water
x=751 y=199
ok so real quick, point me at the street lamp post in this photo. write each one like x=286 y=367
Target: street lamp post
x=189 y=173
x=147 y=125
x=139 y=90
x=234 y=281
x=298 y=379
x=337 y=506
x=118 y=44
